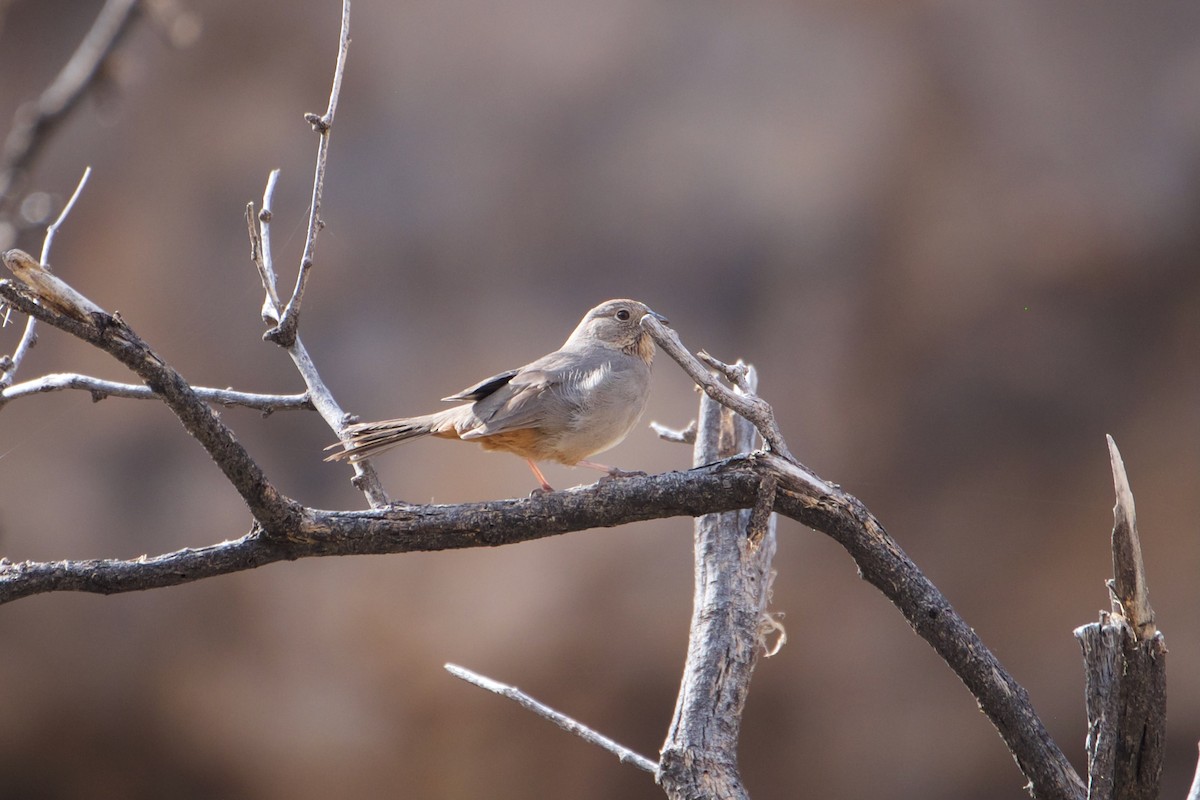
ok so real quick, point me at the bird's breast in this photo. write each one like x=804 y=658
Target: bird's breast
x=610 y=399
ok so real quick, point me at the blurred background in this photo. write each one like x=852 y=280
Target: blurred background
x=958 y=240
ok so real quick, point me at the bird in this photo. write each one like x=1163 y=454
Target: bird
x=566 y=406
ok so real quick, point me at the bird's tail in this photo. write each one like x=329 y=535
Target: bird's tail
x=366 y=439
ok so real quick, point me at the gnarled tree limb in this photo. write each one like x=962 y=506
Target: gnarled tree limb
x=732 y=589
x=67 y=312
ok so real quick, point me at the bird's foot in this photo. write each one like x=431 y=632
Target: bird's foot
x=614 y=474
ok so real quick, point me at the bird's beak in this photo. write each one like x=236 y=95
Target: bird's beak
x=657 y=316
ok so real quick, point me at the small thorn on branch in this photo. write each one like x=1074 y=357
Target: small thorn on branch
x=319 y=123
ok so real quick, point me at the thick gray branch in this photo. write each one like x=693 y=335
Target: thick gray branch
x=736 y=484
x=725 y=486
x=1124 y=658
x=403 y=529
x=732 y=588
x=885 y=566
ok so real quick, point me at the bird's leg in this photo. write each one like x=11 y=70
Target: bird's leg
x=537 y=473
x=613 y=472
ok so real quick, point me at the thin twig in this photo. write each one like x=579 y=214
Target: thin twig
x=274 y=511
x=259 y=228
x=285 y=332
x=29 y=337
x=100 y=389
x=52 y=229
x=35 y=121
x=365 y=478
x=624 y=754
x=667 y=434
x=748 y=405
x=286 y=320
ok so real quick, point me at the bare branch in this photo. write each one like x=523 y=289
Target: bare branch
x=885 y=566
x=748 y=405
x=802 y=495
x=100 y=389
x=260 y=250
x=737 y=483
x=285 y=333
x=732 y=589
x=286 y=320
x=1131 y=597
x=365 y=478
x=52 y=229
x=1125 y=669
x=404 y=529
x=36 y=120
x=685 y=436
x=29 y=336
x=109 y=333
x=624 y=754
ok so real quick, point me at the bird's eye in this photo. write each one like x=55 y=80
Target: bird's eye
x=623 y=315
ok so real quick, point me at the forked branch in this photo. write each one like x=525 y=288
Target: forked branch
x=285 y=333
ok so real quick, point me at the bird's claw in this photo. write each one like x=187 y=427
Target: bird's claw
x=617 y=474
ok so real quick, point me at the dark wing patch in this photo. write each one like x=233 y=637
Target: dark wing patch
x=482 y=389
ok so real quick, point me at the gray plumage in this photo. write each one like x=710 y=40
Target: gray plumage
x=566 y=406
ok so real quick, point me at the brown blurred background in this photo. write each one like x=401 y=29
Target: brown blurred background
x=959 y=241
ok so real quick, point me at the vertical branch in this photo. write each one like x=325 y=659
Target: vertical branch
x=285 y=333
x=286 y=319
x=9 y=367
x=365 y=479
x=732 y=588
x=1125 y=669
x=260 y=250
x=881 y=561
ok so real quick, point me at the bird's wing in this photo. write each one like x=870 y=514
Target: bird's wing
x=483 y=388
x=530 y=397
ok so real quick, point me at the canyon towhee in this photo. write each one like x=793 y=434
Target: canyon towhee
x=579 y=400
